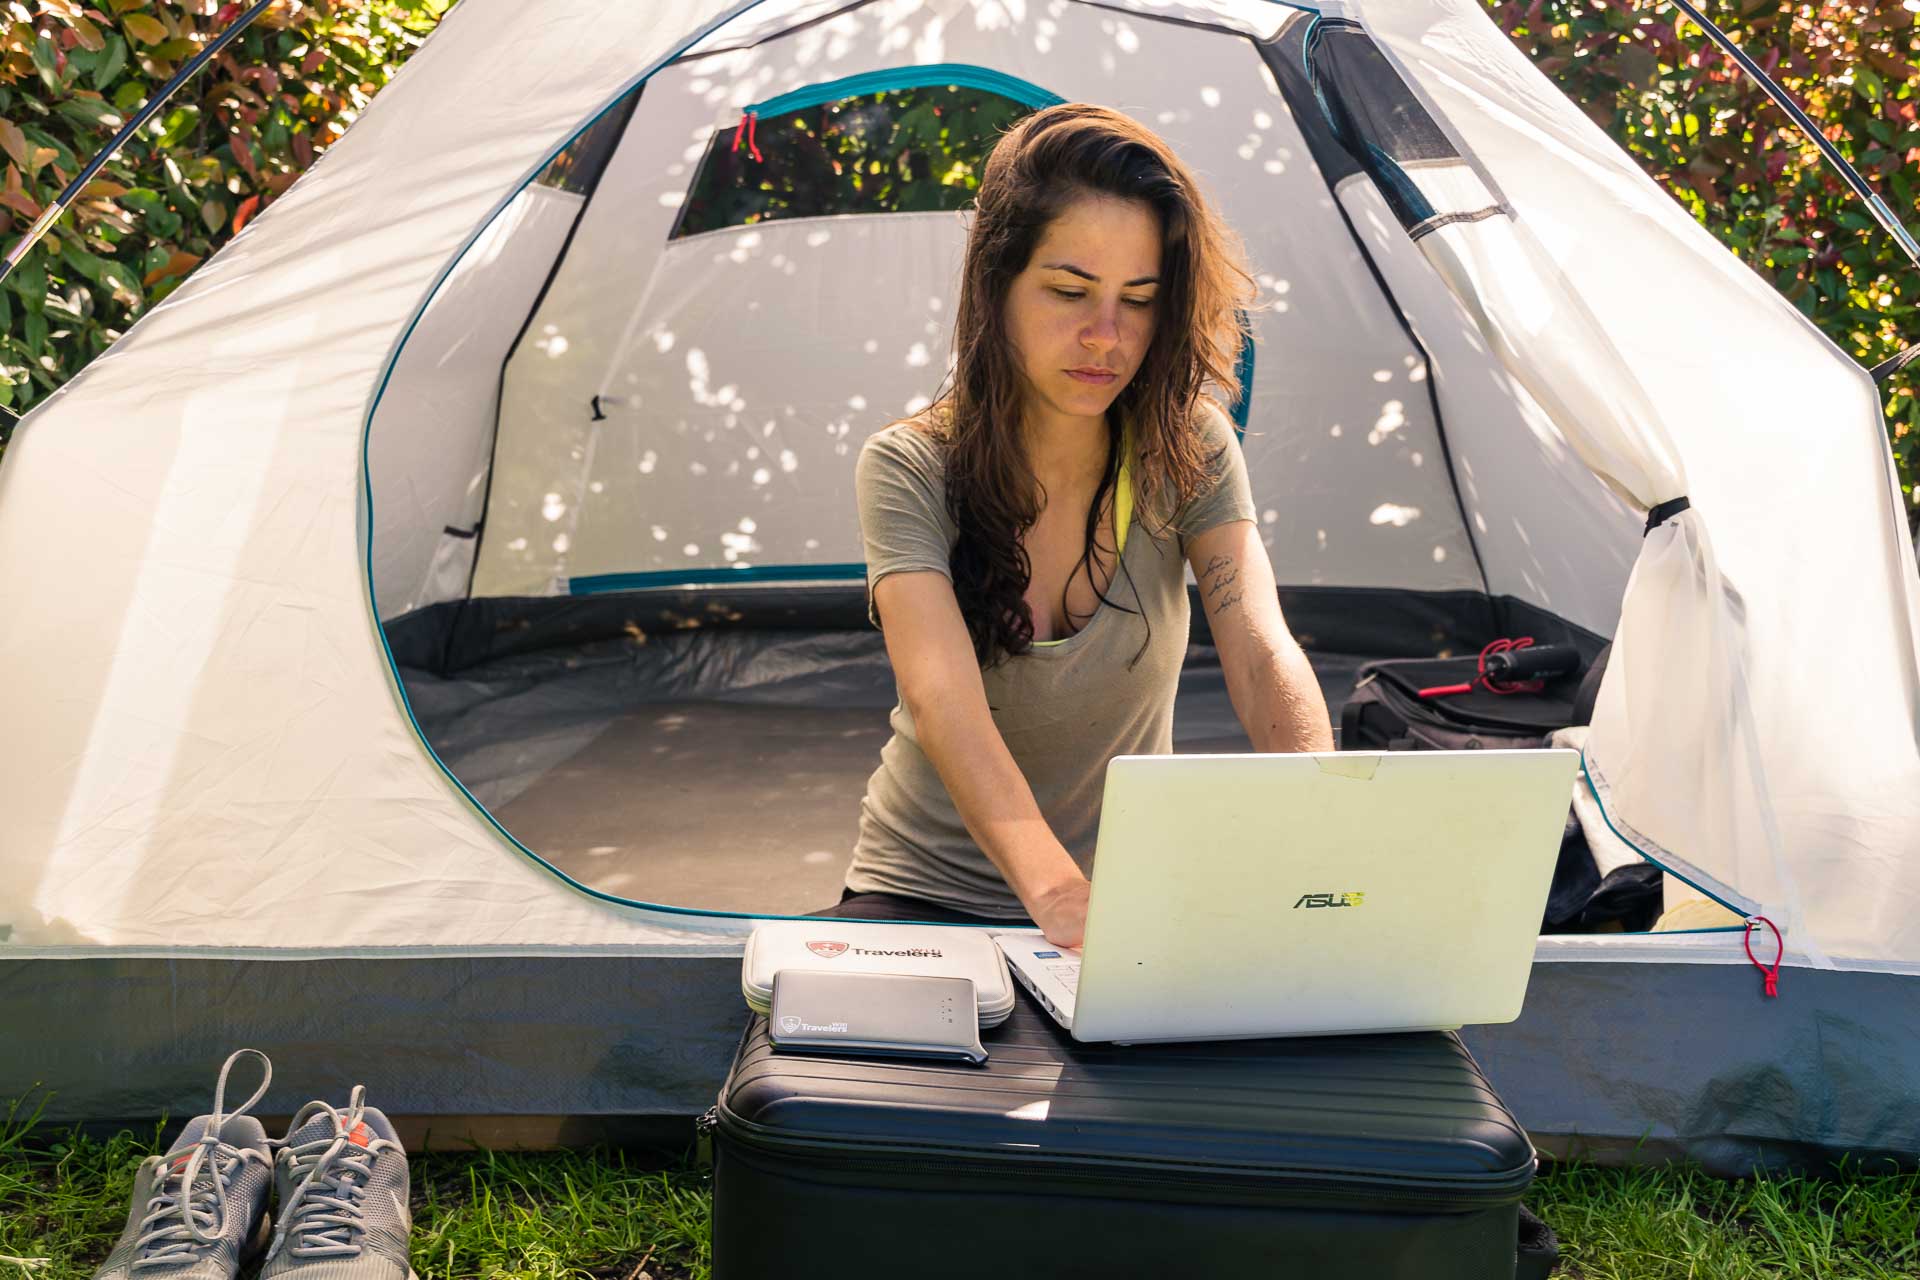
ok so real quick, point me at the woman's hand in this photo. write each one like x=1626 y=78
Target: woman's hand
x=1061 y=912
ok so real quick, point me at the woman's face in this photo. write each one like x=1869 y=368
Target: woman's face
x=1081 y=315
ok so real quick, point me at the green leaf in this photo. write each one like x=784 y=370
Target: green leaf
x=131 y=94
x=6 y=311
x=214 y=215
x=122 y=283
x=143 y=28
x=36 y=334
x=80 y=260
x=30 y=281
x=46 y=62
x=70 y=308
x=92 y=112
x=163 y=224
x=112 y=62
x=177 y=124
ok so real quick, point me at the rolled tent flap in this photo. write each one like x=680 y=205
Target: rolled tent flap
x=1673 y=753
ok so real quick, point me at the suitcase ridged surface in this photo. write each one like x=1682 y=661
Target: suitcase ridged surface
x=1390 y=1152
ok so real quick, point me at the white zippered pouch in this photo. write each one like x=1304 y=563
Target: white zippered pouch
x=941 y=951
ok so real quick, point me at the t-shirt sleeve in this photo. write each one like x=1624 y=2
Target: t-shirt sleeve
x=1229 y=495
x=903 y=509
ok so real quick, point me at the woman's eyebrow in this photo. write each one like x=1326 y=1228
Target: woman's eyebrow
x=1070 y=269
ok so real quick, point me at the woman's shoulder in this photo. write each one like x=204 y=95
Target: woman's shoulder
x=1211 y=421
x=910 y=442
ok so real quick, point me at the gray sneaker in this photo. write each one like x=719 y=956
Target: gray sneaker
x=200 y=1210
x=342 y=1181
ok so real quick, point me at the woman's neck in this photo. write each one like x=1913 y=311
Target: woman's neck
x=1066 y=454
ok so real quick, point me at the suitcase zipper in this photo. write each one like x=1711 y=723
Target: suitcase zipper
x=703 y=1127
x=841 y=1157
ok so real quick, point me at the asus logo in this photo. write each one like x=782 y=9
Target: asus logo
x=1329 y=900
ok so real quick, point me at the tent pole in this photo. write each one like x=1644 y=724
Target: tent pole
x=1875 y=205
x=53 y=211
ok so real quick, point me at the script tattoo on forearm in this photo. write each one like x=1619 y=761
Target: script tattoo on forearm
x=1219 y=577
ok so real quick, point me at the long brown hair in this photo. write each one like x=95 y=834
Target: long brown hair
x=1044 y=163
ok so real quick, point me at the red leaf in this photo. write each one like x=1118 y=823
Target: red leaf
x=178 y=265
x=243 y=153
x=20 y=203
x=245 y=212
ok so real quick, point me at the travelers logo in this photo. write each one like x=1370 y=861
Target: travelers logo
x=793 y=1026
x=826 y=950
x=1330 y=900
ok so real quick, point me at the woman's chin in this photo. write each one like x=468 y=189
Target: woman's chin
x=1086 y=401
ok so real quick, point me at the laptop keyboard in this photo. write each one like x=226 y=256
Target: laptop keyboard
x=1068 y=974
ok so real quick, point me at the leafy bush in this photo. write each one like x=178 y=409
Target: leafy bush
x=1709 y=135
x=230 y=141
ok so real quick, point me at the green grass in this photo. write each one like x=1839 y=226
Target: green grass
x=611 y=1216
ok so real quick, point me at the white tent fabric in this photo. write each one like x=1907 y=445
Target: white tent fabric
x=211 y=752
x=739 y=369
x=1727 y=740
x=440 y=437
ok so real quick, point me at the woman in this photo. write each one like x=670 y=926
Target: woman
x=1026 y=536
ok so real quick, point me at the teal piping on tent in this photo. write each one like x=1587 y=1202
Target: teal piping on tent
x=1243 y=374
x=601 y=583
x=1601 y=805
x=892 y=78
x=366 y=484
x=914 y=77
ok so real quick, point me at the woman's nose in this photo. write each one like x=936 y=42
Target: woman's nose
x=1103 y=333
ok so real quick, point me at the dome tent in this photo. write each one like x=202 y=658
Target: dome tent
x=221 y=818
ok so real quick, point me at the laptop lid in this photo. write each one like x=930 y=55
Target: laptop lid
x=1247 y=895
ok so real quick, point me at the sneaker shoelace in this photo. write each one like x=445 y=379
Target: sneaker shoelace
x=324 y=1218
x=187 y=1209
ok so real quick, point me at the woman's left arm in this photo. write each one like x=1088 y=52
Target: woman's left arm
x=1272 y=685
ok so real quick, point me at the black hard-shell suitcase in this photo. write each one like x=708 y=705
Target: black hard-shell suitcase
x=1383 y=1157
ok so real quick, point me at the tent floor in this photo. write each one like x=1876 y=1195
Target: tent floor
x=620 y=768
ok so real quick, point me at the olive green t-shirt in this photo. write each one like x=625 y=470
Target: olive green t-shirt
x=1064 y=709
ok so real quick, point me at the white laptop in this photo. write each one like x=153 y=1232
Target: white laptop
x=1308 y=894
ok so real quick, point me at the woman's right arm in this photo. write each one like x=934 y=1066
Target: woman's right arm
x=940 y=686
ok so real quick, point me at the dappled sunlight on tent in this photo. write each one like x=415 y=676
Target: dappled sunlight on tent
x=683 y=410
x=413 y=626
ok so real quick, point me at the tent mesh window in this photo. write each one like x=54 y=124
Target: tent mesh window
x=1376 y=116
x=900 y=151
x=578 y=167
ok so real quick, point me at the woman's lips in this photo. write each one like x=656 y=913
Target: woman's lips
x=1100 y=378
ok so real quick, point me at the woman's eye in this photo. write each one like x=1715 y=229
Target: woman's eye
x=1139 y=302
x=1068 y=293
